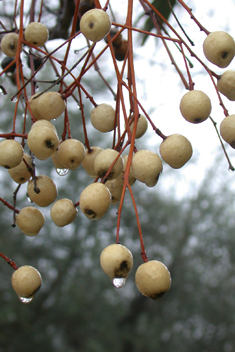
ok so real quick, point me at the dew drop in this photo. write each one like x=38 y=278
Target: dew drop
x=14 y=100
x=29 y=200
x=62 y=172
x=25 y=300
x=119 y=282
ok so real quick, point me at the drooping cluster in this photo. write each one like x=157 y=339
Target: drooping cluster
x=111 y=172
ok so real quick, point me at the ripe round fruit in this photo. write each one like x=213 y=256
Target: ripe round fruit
x=88 y=161
x=103 y=162
x=42 y=141
x=36 y=33
x=226 y=84
x=9 y=44
x=48 y=191
x=30 y=220
x=20 y=174
x=50 y=105
x=116 y=261
x=63 y=212
x=44 y=123
x=71 y=153
x=26 y=281
x=146 y=167
x=176 y=150
x=153 y=279
x=95 y=24
x=11 y=153
x=33 y=106
x=131 y=177
x=219 y=48
x=115 y=186
x=142 y=126
x=95 y=200
x=103 y=118
x=227 y=130
x=195 y=106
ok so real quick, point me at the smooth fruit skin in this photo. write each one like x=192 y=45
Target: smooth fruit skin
x=42 y=141
x=131 y=177
x=9 y=44
x=146 y=167
x=226 y=84
x=195 y=106
x=30 y=220
x=116 y=261
x=227 y=130
x=11 y=153
x=103 y=162
x=71 y=153
x=33 y=106
x=153 y=279
x=26 y=281
x=50 y=105
x=88 y=161
x=219 y=48
x=63 y=212
x=115 y=186
x=142 y=126
x=103 y=118
x=36 y=33
x=95 y=200
x=95 y=24
x=176 y=150
x=48 y=191
x=20 y=174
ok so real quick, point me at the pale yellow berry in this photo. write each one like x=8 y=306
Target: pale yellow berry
x=153 y=279
x=26 y=281
x=47 y=191
x=63 y=212
x=219 y=48
x=227 y=130
x=103 y=118
x=95 y=200
x=226 y=84
x=103 y=162
x=50 y=105
x=142 y=126
x=30 y=220
x=20 y=174
x=116 y=261
x=9 y=44
x=11 y=153
x=176 y=150
x=42 y=141
x=146 y=167
x=36 y=33
x=88 y=161
x=195 y=106
x=71 y=153
x=95 y=24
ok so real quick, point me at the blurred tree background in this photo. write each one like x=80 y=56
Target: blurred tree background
x=77 y=307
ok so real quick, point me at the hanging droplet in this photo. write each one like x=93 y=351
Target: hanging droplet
x=29 y=200
x=25 y=300
x=119 y=282
x=14 y=100
x=62 y=172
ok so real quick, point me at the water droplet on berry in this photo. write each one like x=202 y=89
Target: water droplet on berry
x=62 y=172
x=119 y=282
x=25 y=300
